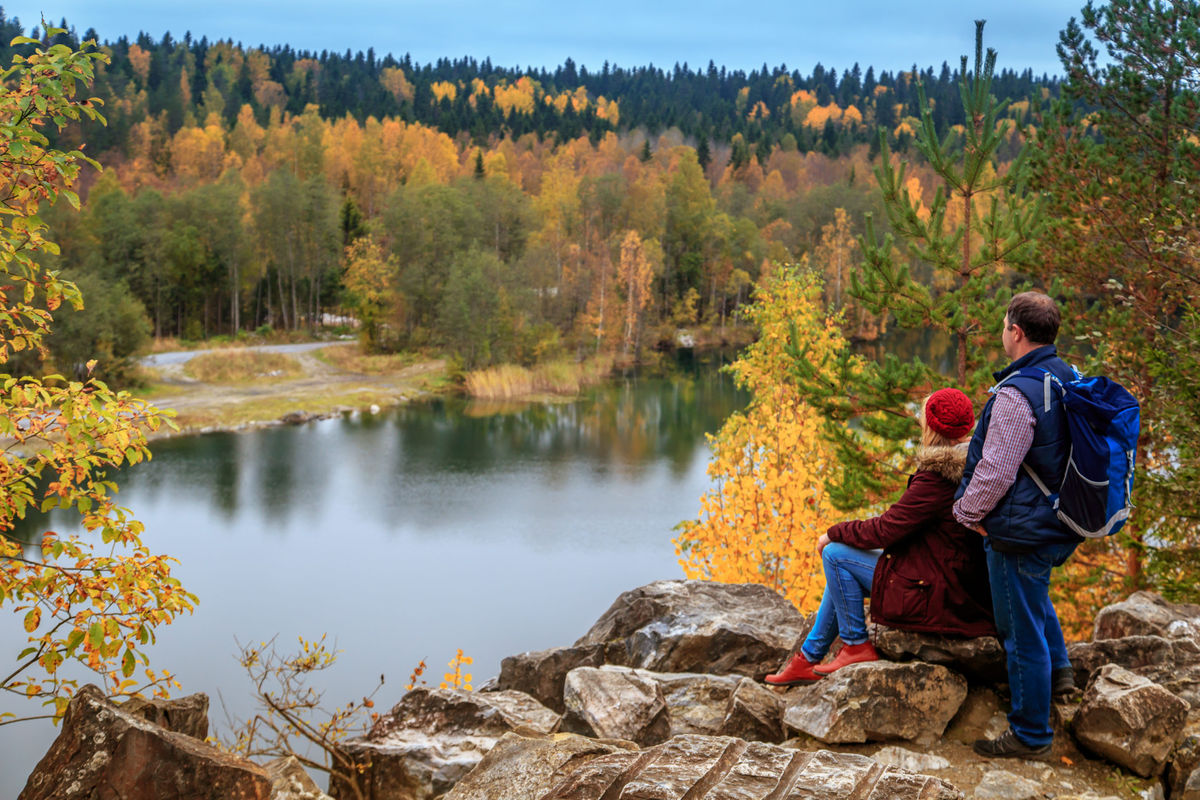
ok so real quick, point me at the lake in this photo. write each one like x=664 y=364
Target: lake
x=497 y=528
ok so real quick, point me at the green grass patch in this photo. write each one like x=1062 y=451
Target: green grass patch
x=239 y=366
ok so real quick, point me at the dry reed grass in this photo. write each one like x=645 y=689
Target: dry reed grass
x=512 y=382
x=350 y=358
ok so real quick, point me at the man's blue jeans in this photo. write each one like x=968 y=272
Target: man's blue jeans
x=848 y=575
x=1029 y=629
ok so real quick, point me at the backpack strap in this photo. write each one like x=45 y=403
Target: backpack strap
x=1049 y=382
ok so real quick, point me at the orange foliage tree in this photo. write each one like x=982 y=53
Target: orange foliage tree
x=93 y=599
x=761 y=521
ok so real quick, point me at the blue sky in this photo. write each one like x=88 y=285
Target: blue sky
x=889 y=35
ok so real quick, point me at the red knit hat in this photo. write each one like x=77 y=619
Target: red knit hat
x=950 y=413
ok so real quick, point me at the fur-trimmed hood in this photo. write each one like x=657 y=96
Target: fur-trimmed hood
x=947 y=461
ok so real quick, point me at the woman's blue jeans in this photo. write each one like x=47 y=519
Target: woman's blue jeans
x=848 y=575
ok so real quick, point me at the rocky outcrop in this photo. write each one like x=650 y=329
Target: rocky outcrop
x=104 y=751
x=522 y=768
x=877 y=701
x=289 y=781
x=698 y=626
x=1129 y=720
x=980 y=659
x=1173 y=664
x=1147 y=614
x=724 y=768
x=433 y=737
x=187 y=715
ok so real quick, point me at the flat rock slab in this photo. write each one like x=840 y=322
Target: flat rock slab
x=698 y=626
x=433 y=737
x=105 y=752
x=877 y=701
x=1129 y=720
x=907 y=759
x=724 y=768
x=980 y=659
x=1147 y=614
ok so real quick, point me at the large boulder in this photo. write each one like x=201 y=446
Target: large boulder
x=186 y=715
x=104 y=751
x=542 y=673
x=981 y=658
x=615 y=703
x=698 y=626
x=876 y=701
x=1147 y=614
x=1172 y=663
x=433 y=737
x=522 y=768
x=724 y=768
x=1129 y=720
x=649 y=707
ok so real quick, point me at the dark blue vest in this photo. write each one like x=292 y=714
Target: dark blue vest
x=1024 y=518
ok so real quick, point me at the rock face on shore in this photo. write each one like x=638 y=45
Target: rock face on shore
x=662 y=698
x=104 y=751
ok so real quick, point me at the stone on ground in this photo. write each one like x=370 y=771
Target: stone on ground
x=542 y=673
x=980 y=658
x=615 y=703
x=521 y=768
x=289 y=781
x=998 y=784
x=895 y=756
x=186 y=715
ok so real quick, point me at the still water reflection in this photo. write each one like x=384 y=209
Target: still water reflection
x=407 y=535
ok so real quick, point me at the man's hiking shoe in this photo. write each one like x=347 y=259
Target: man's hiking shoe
x=1062 y=682
x=1007 y=745
x=797 y=671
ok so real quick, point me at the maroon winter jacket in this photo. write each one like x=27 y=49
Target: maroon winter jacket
x=932 y=576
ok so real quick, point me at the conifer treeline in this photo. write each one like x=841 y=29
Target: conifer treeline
x=184 y=80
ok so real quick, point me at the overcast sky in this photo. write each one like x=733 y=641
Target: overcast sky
x=888 y=34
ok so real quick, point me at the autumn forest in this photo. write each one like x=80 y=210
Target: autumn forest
x=497 y=215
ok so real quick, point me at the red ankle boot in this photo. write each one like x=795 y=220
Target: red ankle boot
x=797 y=671
x=849 y=654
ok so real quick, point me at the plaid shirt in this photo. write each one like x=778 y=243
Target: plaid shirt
x=1007 y=441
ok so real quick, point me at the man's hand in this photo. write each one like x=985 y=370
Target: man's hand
x=978 y=528
x=824 y=540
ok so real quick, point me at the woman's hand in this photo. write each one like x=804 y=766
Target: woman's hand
x=824 y=540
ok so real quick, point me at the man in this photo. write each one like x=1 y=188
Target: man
x=1023 y=428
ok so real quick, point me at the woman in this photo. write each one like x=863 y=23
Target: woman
x=931 y=574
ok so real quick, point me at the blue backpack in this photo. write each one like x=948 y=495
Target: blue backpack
x=1103 y=420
